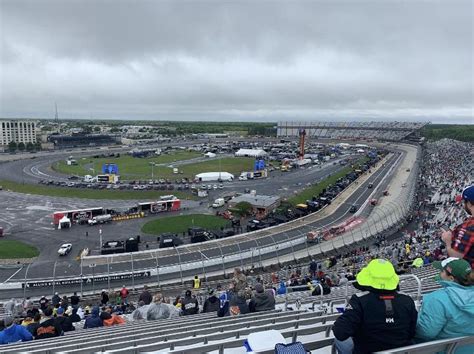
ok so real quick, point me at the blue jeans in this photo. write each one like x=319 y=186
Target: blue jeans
x=344 y=346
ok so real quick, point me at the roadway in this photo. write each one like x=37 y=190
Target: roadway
x=188 y=254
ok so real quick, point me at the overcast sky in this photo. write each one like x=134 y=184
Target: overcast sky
x=238 y=60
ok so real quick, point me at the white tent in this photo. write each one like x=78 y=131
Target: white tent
x=64 y=223
x=210 y=154
x=214 y=176
x=251 y=153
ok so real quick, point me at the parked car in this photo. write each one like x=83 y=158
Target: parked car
x=65 y=249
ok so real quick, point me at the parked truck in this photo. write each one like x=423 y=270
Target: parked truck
x=219 y=202
x=100 y=219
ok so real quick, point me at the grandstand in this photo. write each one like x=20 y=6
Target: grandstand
x=389 y=131
x=298 y=315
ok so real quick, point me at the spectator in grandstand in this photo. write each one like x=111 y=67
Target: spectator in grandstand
x=75 y=316
x=212 y=303
x=104 y=297
x=124 y=295
x=64 y=321
x=238 y=304
x=262 y=300
x=239 y=280
x=190 y=304
x=282 y=288
x=145 y=296
x=379 y=318
x=75 y=300
x=313 y=268
x=449 y=312
x=56 y=299
x=13 y=332
x=43 y=302
x=460 y=241
x=64 y=302
x=196 y=282
x=48 y=327
x=110 y=318
x=32 y=327
x=178 y=303
x=317 y=290
x=93 y=320
x=9 y=306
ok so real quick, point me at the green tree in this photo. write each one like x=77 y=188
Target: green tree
x=12 y=146
x=37 y=146
x=242 y=209
x=97 y=129
x=21 y=146
x=87 y=129
x=115 y=130
x=30 y=146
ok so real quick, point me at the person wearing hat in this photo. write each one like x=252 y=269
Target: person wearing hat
x=262 y=300
x=212 y=303
x=189 y=304
x=460 y=241
x=378 y=318
x=449 y=311
x=13 y=332
x=64 y=321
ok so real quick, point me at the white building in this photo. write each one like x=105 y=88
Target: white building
x=251 y=153
x=19 y=131
x=214 y=176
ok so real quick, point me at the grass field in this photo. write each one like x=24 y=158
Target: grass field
x=16 y=249
x=89 y=193
x=129 y=167
x=180 y=224
x=309 y=192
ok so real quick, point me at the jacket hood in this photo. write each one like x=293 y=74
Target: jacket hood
x=95 y=311
x=461 y=296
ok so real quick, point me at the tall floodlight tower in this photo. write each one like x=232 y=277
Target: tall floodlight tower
x=56 y=118
x=302 y=134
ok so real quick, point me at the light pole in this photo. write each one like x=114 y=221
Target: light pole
x=152 y=164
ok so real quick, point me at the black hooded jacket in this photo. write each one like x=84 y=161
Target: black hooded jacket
x=377 y=320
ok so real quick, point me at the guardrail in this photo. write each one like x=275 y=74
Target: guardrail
x=290 y=247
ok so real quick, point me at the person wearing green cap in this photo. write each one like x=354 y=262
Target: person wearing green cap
x=449 y=311
x=378 y=318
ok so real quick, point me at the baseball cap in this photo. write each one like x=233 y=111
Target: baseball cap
x=468 y=194
x=60 y=311
x=458 y=268
x=378 y=274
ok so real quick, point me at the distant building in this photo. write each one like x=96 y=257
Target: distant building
x=82 y=140
x=261 y=204
x=18 y=131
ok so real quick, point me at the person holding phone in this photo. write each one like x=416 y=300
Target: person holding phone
x=460 y=241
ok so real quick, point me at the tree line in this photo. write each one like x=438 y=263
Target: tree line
x=13 y=146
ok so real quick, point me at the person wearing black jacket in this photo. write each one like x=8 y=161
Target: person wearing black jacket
x=145 y=296
x=104 y=297
x=64 y=321
x=48 y=326
x=379 y=318
x=189 y=305
x=75 y=300
x=212 y=304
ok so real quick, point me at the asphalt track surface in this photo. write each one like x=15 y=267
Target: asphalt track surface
x=67 y=268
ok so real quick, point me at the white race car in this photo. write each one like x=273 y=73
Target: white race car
x=65 y=249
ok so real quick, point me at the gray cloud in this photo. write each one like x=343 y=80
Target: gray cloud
x=241 y=60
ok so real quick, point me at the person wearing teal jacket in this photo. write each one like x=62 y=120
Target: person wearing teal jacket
x=449 y=312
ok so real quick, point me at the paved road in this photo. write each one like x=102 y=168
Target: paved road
x=70 y=268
